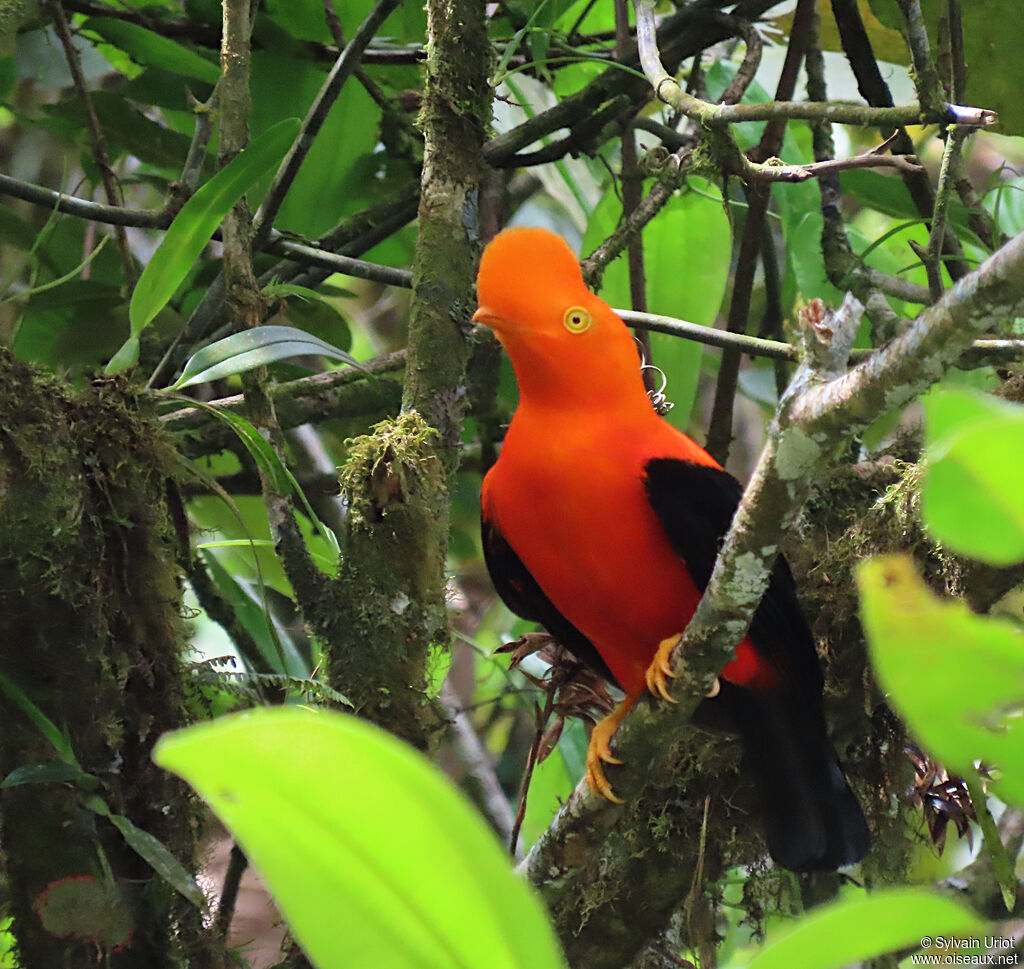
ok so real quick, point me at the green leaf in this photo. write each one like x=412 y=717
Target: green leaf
x=277 y=649
x=127 y=356
x=330 y=184
x=341 y=817
x=154 y=852
x=82 y=907
x=150 y=48
x=972 y=501
x=44 y=772
x=58 y=740
x=254 y=348
x=693 y=233
x=281 y=479
x=194 y=225
x=956 y=678
x=852 y=931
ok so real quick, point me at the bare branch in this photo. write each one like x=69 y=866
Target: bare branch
x=98 y=142
x=709 y=115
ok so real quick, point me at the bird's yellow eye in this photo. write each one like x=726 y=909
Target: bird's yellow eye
x=577 y=319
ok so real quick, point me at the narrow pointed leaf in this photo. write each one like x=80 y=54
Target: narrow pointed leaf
x=44 y=772
x=153 y=851
x=152 y=49
x=255 y=348
x=194 y=225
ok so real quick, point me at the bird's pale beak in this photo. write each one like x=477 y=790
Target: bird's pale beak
x=485 y=316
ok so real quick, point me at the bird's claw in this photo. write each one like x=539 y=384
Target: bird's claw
x=660 y=671
x=599 y=753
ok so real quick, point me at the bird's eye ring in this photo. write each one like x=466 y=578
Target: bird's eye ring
x=577 y=319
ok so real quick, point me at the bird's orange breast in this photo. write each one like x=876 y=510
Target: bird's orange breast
x=576 y=512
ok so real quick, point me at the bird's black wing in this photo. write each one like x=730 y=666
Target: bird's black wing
x=695 y=504
x=524 y=596
x=812 y=818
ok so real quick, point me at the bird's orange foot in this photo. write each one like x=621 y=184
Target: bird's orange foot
x=660 y=671
x=599 y=752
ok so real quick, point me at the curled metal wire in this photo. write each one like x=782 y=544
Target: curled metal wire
x=661 y=404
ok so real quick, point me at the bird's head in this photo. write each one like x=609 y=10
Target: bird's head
x=562 y=339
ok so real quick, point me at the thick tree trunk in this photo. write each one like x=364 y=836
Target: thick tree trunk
x=91 y=635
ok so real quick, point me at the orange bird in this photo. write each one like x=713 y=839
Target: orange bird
x=602 y=522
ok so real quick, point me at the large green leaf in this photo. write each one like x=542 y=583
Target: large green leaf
x=956 y=678
x=855 y=930
x=686 y=259
x=972 y=498
x=347 y=823
x=193 y=227
x=330 y=184
x=993 y=37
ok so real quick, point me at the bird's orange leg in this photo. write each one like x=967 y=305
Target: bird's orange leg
x=599 y=753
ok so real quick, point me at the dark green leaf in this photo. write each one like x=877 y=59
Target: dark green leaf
x=150 y=48
x=45 y=772
x=154 y=852
x=58 y=740
x=125 y=128
x=194 y=225
x=329 y=185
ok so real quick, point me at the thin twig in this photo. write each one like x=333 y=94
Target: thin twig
x=932 y=255
x=193 y=167
x=346 y=63
x=744 y=75
x=719 y=436
x=477 y=760
x=98 y=142
x=237 y=863
x=926 y=77
x=541 y=718
x=957 y=68
x=801 y=173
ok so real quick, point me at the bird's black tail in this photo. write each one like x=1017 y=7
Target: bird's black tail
x=812 y=818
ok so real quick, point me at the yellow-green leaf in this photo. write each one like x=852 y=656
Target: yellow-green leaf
x=956 y=678
x=351 y=828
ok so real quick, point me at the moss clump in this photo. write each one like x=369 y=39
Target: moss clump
x=391 y=613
